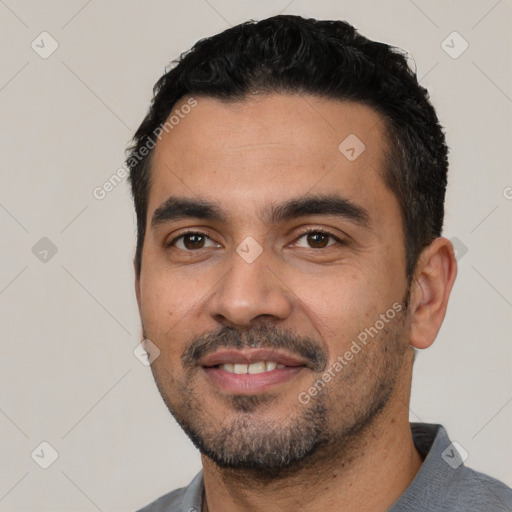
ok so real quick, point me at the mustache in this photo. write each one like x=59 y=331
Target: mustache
x=262 y=336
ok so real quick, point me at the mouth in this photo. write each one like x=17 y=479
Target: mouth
x=251 y=371
x=253 y=368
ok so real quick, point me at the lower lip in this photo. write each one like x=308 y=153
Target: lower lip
x=249 y=384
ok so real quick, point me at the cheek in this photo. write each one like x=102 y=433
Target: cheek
x=159 y=305
x=338 y=303
x=170 y=303
x=339 y=293
x=389 y=278
x=345 y=303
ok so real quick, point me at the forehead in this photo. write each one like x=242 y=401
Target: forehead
x=270 y=147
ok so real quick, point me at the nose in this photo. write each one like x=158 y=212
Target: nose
x=250 y=292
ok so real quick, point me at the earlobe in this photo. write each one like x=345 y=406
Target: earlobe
x=433 y=281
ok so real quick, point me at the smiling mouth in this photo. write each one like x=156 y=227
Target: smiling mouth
x=255 y=360
x=253 y=368
x=250 y=371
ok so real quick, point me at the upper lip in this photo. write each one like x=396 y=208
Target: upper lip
x=248 y=356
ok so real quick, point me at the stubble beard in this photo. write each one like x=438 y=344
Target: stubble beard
x=330 y=425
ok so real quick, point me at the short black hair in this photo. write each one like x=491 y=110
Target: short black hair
x=329 y=59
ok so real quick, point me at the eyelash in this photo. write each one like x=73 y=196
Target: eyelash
x=299 y=236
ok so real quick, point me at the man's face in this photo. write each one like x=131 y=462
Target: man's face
x=236 y=279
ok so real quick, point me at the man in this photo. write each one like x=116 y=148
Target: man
x=289 y=182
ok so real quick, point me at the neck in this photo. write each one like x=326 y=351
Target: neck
x=368 y=473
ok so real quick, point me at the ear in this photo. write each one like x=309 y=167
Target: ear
x=433 y=280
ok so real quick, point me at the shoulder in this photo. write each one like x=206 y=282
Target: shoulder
x=445 y=483
x=167 y=503
x=185 y=499
x=479 y=492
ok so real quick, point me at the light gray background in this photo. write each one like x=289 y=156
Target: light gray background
x=69 y=325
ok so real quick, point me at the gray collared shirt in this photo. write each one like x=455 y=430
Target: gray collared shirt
x=443 y=483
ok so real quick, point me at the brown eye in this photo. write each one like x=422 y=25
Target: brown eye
x=191 y=241
x=315 y=239
x=318 y=240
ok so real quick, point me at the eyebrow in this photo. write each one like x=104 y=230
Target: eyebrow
x=176 y=208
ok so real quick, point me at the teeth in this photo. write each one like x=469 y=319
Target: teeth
x=258 y=367
x=253 y=368
x=271 y=365
x=240 y=368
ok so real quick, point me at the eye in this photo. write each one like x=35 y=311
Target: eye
x=191 y=240
x=317 y=239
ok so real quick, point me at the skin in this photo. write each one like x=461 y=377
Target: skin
x=246 y=156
